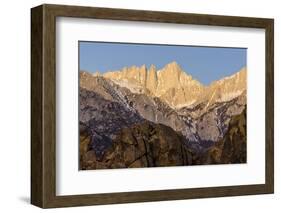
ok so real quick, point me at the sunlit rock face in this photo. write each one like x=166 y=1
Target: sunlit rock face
x=133 y=105
x=171 y=97
x=177 y=88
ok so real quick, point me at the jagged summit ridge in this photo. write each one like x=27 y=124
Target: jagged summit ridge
x=163 y=83
x=174 y=86
x=172 y=73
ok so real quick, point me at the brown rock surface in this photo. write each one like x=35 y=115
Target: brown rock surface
x=232 y=148
x=142 y=145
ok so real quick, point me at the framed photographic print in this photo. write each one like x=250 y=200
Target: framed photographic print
x=136 y=106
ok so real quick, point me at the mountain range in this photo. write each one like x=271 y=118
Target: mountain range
x=175 y=86
x=123 y=108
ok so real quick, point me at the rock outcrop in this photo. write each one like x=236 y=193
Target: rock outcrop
x=153 y=145
x=141 y=145
x=233 y=147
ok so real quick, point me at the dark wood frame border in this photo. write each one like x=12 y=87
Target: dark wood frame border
x=43 y=105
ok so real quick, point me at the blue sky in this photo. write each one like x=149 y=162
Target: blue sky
x=206 y=64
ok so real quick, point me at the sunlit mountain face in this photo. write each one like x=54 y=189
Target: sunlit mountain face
x=144 y=117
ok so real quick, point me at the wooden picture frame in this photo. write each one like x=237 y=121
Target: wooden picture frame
x=43 y=105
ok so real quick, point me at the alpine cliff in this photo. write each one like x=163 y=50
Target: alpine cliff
x=176 y=87
x=144 y=117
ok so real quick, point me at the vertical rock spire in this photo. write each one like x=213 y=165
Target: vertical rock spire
x=151 y=82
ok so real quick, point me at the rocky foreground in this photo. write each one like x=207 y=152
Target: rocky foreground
x=153 y=145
